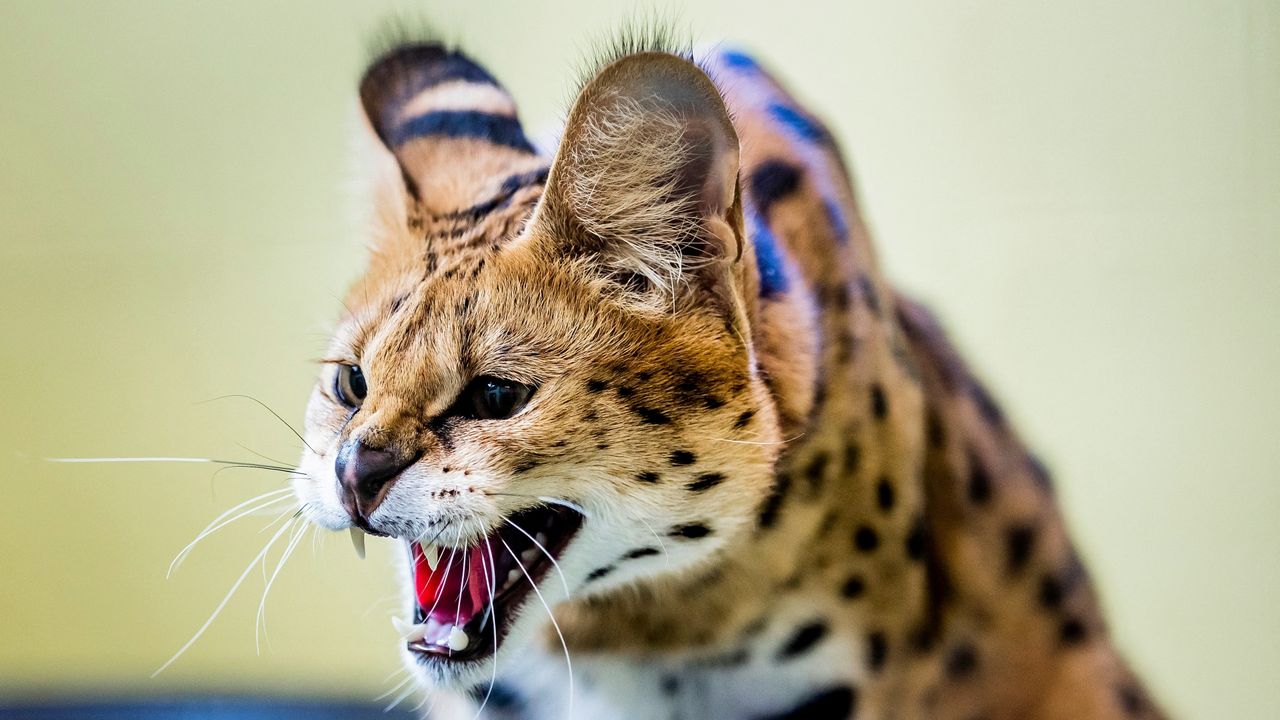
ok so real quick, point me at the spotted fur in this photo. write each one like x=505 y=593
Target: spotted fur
x=801 y=503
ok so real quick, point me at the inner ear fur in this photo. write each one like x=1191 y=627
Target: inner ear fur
x=645 y=180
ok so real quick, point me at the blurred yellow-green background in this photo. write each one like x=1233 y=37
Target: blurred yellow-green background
x=1089 y=192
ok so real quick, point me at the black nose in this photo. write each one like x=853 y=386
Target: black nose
x=363 y=473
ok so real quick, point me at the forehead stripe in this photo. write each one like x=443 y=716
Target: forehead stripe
x=509 y=188
x=497 y=129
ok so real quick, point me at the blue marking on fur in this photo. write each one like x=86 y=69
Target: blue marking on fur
x=836 y=217
x=497 y=129
x=739 y=60
x=799 y=123
x=769 y=257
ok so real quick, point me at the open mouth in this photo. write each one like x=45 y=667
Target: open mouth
x=467 y=597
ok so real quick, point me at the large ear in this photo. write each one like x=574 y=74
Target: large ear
x=645 y=183
x=450 y=127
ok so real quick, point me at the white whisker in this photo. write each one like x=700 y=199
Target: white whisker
x=132 y=460
x=657 y=537
x=565 y=503
x=227 y=598
x=491 y=579
x=758 y=442
x=224 y=519
x=568 y=663
x=261 y=619
x=408 y=677
x=401 y=697
x=550 y=557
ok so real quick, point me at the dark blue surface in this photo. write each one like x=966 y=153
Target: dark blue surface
x=196 y=709
x=769 y=257
x=800 y=123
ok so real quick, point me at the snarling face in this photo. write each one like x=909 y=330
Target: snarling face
x=544 y=388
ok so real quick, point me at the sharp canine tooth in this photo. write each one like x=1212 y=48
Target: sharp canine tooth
x=407 y=631
x=458 y=640
x=433 y=556
x=541 y=539
x=357 y=540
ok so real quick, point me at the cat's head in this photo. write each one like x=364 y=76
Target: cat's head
x=548 y=369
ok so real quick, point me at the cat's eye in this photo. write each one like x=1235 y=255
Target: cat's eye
x=350 y=386
x=490 y=398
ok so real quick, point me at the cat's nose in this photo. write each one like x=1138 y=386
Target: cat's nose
x=364 y=474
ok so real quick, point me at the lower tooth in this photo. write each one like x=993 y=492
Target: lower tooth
x=513 y=577
x=529 y=555
x=458 y=640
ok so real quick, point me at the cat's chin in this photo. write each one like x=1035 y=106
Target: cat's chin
x=468 y=600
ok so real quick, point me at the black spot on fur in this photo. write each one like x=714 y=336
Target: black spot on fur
x=866 y=539
x=648 y=477
x=854 y=587
x=1051 y=592
x=869 y=294
x=499 y=696
x=877 y=651
x=600 y=572
x=924 y=638
x=683 y=457
x=852 y=458
x=979 y=481
x=803 y=640
x=816 y=471
x=885 y=495
x=711 y=402
x=935 y=431
x=691 y=531
x=773 y=503
x=879 y=403
x=640 y=552
x=771 y=181
x=626 y=392
x=1019 y=542
x=1072 y=631
x=838 y=703
x=596 y=386
x=525 y=466
x=743 y=419
x=706 y=481
x=962 y=661
x=652 y=416
x=917 y=539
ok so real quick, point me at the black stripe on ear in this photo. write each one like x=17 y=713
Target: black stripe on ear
x=497 y=129
x=404 y=72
